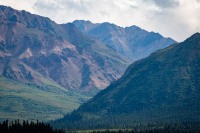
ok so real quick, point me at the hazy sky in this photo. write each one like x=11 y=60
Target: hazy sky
x=172 y=18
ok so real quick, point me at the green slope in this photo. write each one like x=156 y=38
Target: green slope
x=28 y=101
x=164 y=87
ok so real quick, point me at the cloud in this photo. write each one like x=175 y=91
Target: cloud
x=180 y=21
x=20 y=4
x=63 y=11
x=172 y=18
x=45 y=6
x=165 y=3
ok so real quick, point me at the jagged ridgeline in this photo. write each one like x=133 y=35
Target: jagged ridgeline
x=132 y=42
x=162 y=88
x=45 y=66
x=76 y=60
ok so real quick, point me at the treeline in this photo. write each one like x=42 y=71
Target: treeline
x=26 y=127
x=152 y=128
x=176 y=128
x=146 y=131
x=78 y=121
x=96 y=126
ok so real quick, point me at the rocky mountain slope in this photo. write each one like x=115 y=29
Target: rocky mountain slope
x=164 y=87
x=48 y=60
x=60 y=52
x=63 y=53
x=133 y=42
x=43 y=65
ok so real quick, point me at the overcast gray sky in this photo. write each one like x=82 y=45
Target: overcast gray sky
x=171 y=18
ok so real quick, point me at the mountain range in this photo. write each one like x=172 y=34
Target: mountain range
x=42 y=62
x=65 y=54
x=60 y=52
x=132 y=42
x=162 y=88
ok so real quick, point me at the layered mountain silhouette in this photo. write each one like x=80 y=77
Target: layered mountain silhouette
x=162 y=88
x=33 y=44
x=133 y=42
x=44 y=66
x=61 y=52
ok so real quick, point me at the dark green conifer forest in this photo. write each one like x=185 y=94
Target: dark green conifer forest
x=26 y=127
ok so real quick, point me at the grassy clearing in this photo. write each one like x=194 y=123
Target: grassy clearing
x=28 y=101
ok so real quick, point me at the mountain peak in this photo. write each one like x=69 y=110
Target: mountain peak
x=45 y=40
x=193 y=40
x=125 y=41
x=82 y=21
x=133 y=27
x=196 y=35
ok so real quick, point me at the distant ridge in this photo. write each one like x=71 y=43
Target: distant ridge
x=133 y=42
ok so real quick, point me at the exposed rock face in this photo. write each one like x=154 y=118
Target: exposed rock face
x=61 y=52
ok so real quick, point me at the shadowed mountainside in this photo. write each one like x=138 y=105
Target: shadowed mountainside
x=163 y=87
